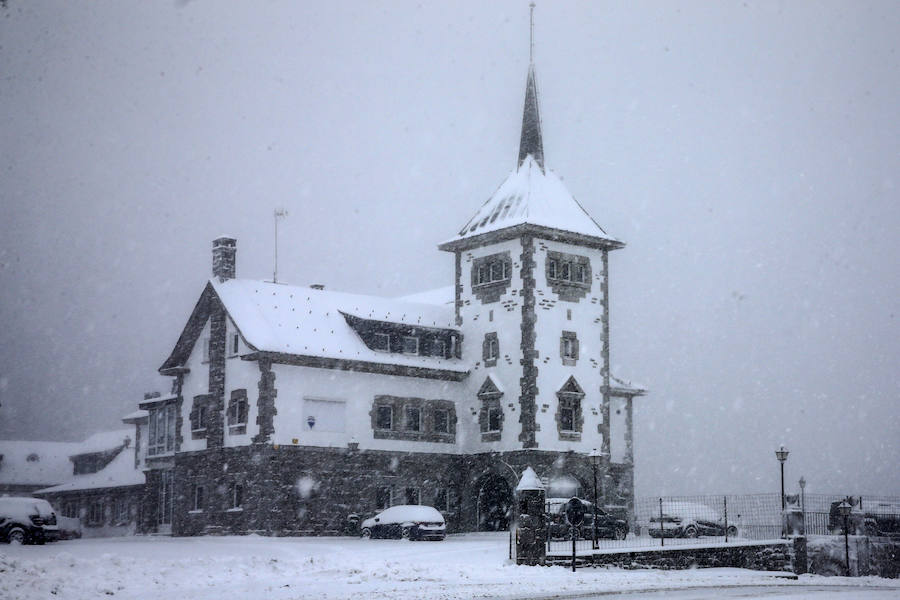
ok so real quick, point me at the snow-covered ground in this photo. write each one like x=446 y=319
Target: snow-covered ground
x=462 y=566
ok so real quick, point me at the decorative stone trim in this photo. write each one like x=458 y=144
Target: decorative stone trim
x=560 y=269
x=568 y=338
x=265 y=404
x=215 y=417
x=569 y=398
x=495 y=283
x=361 y=366
x=426 y=408
x=528 y=382
x=490 y=358
x=604 y=353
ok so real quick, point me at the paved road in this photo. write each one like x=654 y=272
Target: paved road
x=798 y=592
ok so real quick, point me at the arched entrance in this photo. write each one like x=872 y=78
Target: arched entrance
x=494 y=504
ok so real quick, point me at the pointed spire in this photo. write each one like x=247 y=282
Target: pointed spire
x=531 y=141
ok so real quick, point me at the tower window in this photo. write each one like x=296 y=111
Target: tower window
x=490 y=349
x=439 y=348
x=568 y=275
x=569 y=418
x=235 y=343
x=568 y=348
x=491 y=276
x=495 y=418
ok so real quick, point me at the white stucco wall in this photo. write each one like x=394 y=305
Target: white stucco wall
x=507 y=318
x=358 y=390
x=586 y=321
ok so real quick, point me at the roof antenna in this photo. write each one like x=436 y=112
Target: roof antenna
x=279 y=212
x=531 y=46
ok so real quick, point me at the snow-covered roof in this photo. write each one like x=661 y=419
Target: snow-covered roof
x=36 y=462
x=305 y=321
x=105 y=440
x=439 y=296
x=135 y=416
x=532 y=195
x=119 y=472
x=625 y=387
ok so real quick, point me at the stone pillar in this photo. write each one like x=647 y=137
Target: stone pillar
x=801 y=565
x=530 y=528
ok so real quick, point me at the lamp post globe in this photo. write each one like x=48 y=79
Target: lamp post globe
x=781 y=454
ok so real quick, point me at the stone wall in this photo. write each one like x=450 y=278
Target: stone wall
x=307 y=490
x=766 y=556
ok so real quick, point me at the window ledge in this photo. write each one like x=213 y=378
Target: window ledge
x=195 y=512
x=200 y=430
x=237 y=429
x=167 y=454
x=490 y=436
x=570 y=436
x=497 y=282
x=235 y=510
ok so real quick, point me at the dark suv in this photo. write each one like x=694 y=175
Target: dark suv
x=27 y=521
x=608 y=526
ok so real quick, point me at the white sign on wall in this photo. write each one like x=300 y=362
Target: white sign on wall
x=324 y=414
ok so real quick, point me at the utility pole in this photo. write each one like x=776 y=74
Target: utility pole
x=282 y=213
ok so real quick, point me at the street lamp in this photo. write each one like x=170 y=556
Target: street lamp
x=844 y=509
x=803 y=502
x=781 y=454
x=596 y=456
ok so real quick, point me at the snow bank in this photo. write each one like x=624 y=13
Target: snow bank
x=213 y=568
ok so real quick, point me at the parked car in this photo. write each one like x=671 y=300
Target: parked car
x=408 y=521
x=689 y=520
x=608 y=526
x=27 y=521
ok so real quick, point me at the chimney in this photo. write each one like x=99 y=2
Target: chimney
x=224 y=250
x=317 y=286
x=151 y=395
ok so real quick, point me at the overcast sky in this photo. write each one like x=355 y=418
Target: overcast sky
x=746 y=151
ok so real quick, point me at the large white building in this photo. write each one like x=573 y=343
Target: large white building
x=293 y=408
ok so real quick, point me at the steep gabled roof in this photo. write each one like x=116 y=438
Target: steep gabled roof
x=532 y=195
x=306 y=322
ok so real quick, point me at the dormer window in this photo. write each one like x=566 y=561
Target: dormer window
x=410 y=345
x=381 y=342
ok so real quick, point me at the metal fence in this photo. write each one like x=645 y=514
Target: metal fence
x=672 y=521
x=873 y=516
x=663 y=521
